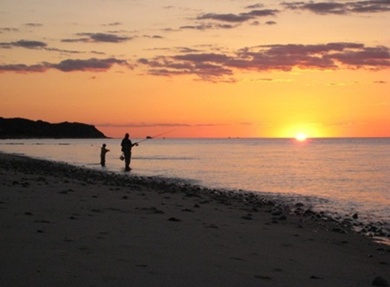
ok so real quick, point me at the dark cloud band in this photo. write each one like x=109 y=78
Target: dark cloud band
x=341 y=7
x=214 y=66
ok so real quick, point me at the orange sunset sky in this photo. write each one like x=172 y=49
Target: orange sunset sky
x=222 y=68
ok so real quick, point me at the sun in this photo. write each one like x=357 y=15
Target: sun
x=301 y=137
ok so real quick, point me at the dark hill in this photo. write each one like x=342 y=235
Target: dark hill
x=23 y=128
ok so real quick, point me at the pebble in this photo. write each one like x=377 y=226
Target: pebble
x=174 y=219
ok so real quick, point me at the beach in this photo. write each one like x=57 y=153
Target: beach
x=68 y=226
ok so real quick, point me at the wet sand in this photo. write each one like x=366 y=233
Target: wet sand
x=67 y=226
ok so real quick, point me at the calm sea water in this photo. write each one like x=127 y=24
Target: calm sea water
x=342 y=176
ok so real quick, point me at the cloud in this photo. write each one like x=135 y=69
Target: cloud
x=96 y=65
x=208 y=21
x=153 y=37
x=207 y=26
x=238 y=18
x=318 y=8
x=24 y=44
x=22 y=68
x=70 y=65
x=99 y=38
x=255 y=6
x=262 y=13
x=8 y=29
x=367 y=57
x=373 y=6
x=340 y=8
x=68 y=51
x=113 y=24
x=33 y=24
x=218 y=66
x=207 y=66
x=31 y=44
x=225 y=17
x=28 y=44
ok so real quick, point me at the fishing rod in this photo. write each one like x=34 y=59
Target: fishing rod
x=152 y=137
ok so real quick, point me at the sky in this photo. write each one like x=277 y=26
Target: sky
x=221 y=68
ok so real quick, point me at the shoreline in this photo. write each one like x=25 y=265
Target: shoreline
x=377 y=229
x=75 y=227
x=362 y=203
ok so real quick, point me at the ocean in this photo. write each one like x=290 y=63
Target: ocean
x=340 y=177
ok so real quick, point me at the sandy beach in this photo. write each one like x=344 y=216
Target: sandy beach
x=67 y=226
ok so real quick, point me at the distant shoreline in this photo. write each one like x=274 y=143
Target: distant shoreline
x=20 y=128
